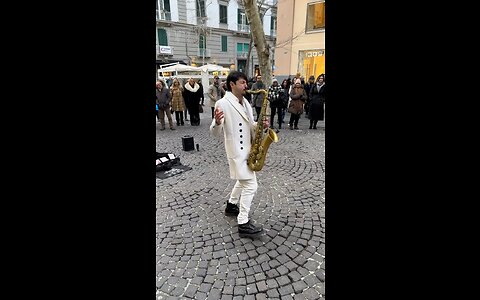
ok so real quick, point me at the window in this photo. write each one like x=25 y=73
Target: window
x=200 y=5
x=202 y=42
x=162 y=37
x=315 y=16
x=242 y=47
x=164 y=12
x=242 y=17
x=223 y=14
x=224 y=43
x=273 y=26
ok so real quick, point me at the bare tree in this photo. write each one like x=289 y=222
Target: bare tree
x=259 y=40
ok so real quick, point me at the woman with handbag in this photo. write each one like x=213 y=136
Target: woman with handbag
x=298 y=97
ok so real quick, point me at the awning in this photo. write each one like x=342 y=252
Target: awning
x=170 y=61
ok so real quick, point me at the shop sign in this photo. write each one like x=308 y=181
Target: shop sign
x=314 y=53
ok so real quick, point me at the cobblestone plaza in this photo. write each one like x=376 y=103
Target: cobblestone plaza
x=199 y=252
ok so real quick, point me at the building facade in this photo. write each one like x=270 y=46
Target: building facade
x=300 y=45
x=197 y=32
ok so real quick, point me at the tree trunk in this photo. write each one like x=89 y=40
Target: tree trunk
x=247 y=68
x=261 y=45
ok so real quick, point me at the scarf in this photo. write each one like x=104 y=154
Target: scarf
x=189 y=87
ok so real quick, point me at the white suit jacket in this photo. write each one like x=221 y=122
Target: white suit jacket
x=238 y=129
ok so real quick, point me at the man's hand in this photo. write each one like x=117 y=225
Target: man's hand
x=218 y=113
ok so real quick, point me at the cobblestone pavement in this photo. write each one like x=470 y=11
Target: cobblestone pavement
x=199 y=252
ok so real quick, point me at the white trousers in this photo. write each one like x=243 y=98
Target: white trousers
x=242 y=195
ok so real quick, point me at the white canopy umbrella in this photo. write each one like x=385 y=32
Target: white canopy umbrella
x=179 y=68
x=213 y=68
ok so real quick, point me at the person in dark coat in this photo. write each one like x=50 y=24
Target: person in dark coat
x=307 y=87
x=164 y=100
x=317 y=101
x=275 y=103
x=192 y=94
x=257 y=99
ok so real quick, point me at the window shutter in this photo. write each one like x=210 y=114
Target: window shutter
x=162 y=37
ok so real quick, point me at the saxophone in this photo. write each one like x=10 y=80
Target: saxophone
x=260 y=143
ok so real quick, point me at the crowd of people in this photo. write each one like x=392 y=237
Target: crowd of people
x=294 y=95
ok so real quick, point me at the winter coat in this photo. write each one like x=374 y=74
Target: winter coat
x=163 y=99
x=178 y=103
x=298 y=98
x=215 y=93
x=192 y=95
x=238 y=129
x=274 y=96
x=257 y=99
x=317 y=100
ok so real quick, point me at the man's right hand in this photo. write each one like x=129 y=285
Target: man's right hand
x=218 y=115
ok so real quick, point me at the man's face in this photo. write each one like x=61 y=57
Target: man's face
x=215 y=80
x=159 y=85
x=311 y=80
x=239 y=86
x=191 y=81
x=259 y=78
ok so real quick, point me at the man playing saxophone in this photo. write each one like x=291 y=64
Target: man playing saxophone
x=233 y=114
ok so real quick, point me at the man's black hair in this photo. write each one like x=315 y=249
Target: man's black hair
x=234 y=76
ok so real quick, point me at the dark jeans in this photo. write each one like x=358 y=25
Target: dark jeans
x=313 y=123
x=258 y=110
x=275 y=110
x=179 y=117
x=294 y=120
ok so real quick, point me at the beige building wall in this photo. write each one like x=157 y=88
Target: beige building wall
x=293 y=44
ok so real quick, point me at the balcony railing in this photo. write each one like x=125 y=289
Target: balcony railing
x=242 y=54
x=244 y=27
x=164 y=15
x=203 y=52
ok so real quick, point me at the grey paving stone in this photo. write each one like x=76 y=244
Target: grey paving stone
x=286 y=290
x=283 y=280
x=299 y=286
x=273 y=293
x=262 y=286
x=240 y=290
x=252 y=288
x=311 y=294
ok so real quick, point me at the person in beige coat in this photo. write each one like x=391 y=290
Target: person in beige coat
x=234 y=116
x=215 y=93
x=178 y=105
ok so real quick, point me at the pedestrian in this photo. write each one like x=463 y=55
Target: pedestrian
x=178 y=104
x=295 y=108
x=202 y=100
x=317 y=96
x=234 y=115
x=284 y=95
x=307 y=87
x=164 y=101
x=215 y=93
x=275 y=103
x=257 y=99
x=192 y=96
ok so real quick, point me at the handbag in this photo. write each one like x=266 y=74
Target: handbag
x=200 y=108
